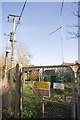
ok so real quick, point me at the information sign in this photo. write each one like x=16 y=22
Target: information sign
x=58 y=86
x=42 y=88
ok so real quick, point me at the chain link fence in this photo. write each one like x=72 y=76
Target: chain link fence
x=60 y=103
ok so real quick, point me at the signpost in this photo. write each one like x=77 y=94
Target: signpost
x=42 y=88
x=76 y=111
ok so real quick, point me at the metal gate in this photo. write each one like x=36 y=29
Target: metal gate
x=63 y=101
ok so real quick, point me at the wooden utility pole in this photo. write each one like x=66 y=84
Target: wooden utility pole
x=8 y=50
x=12 y=40
x=13 y=36
x=6 y=56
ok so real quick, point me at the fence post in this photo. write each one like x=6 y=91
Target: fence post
x=21 y=103
x=74 y=98
x=18 y=93
x=16 y=112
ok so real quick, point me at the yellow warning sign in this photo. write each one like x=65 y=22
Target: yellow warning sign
x=43 y=85
x=42 y=88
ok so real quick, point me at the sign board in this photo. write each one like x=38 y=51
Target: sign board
x=42 y=88
x=58 y=85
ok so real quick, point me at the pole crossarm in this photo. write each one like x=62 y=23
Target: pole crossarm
x=13 y=15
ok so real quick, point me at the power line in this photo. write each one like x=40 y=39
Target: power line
x=61 y=19
x=20 y=14
x=55 y=30
x=61 y=30
x=13 y=33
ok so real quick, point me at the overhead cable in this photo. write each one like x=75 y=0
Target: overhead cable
x=55 y=30
x=20 y=14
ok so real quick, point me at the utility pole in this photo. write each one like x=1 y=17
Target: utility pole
x=6 y=56
x=13 y=36
x=79 y=31
x=61 y=15
x=76 y=110
x=61 y=27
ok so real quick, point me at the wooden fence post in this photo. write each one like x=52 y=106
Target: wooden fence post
x=16 y=112
x=18 y=93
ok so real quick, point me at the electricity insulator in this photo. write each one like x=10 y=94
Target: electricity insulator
x=8 y=49
x=19 y=18
x=11 y=36
x=8 y=18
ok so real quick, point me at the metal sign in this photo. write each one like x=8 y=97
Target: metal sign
x=58 y=85
x=42 y=88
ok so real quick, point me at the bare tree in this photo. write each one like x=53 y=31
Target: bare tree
x=75 y=28
x=23 y=54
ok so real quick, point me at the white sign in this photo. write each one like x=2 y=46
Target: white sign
x=58 y=86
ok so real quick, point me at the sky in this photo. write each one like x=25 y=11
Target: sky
x=39 y=19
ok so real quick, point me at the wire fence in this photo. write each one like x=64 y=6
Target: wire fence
x=62 y=101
